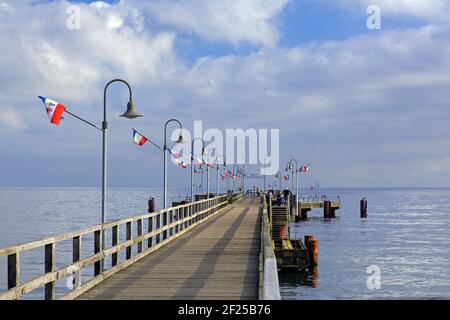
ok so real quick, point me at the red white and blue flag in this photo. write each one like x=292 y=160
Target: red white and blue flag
x=54 y=110
x=138 y=138
x=305 y=168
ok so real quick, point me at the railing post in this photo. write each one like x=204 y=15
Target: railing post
x=139 y=233
x=128 y=237
x=76 y=255
x=50 y=267
x=164 y=223
x=13 y=270
x=150 y=229
x=171 y=218
x=97 y=248
x=158 y=226
x=115 y=240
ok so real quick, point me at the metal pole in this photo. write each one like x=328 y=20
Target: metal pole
x=165 y=159
x=104 y=158
x=192 y=171
x=207 y=178
x=193 y=166
x=217 y=187
x=165 y=174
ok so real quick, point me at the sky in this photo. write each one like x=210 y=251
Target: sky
x=367 y=108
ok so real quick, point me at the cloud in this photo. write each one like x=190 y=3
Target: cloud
x=430 y=10
x=233 y=21
x=370 y=102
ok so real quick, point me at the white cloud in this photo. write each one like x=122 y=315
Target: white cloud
x=377 y=93
x=232 y=21
x=430 y=10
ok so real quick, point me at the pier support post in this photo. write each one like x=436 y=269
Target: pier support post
x=363 y=208
x=151 y=205
x=327 y=209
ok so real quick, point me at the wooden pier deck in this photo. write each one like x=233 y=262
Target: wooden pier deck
x=217 y=260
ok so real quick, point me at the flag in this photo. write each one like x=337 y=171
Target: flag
x=138 y=138
x=199 y=161
x=305 y=168
x=54 y=109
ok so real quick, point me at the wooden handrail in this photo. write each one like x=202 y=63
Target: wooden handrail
x=167 y=224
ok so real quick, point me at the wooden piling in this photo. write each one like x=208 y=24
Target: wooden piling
x=312 y=245
x=151 y=205
x=327 y=209
x=363 y=208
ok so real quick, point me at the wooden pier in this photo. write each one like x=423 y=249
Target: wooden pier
x=218 y=260
x=217 y=248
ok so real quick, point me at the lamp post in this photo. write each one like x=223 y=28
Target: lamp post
x=217 y=164
x=180 y=140
x=193 y=164
x=207 y=172
x=235 y=174
x=290 y=166
x=131 y=113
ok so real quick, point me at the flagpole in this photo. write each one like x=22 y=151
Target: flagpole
x=83 y=120
x=193 y=164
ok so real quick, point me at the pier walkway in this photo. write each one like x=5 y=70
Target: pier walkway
x=216 y=248
x=217 y=260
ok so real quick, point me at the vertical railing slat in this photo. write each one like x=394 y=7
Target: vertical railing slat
x=150 y=229
x=13 y=270
x=49 y=265
x=129 y=231
x=139 y=233
x=76 y=256
x=97 y=248
x=114 y=242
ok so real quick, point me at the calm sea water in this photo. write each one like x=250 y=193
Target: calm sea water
x=407 y=236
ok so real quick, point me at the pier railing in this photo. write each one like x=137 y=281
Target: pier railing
x=235 y=196
x=269 y=288
x=318 y=199
x=161 y=227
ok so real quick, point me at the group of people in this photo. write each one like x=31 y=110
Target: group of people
x=281 y=197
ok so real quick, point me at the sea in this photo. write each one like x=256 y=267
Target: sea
x=400 y=251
